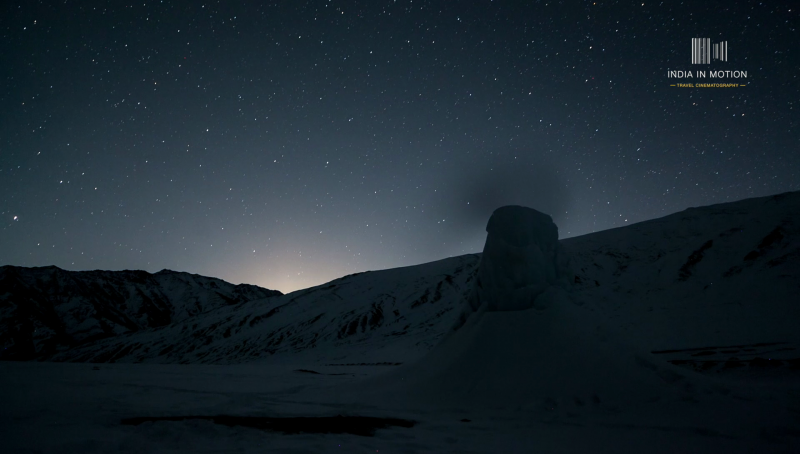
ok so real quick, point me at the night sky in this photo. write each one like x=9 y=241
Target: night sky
x=289 y=144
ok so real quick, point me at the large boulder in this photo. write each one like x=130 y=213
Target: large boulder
x=521 y=263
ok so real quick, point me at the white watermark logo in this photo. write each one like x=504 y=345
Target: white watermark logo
x=703 y=51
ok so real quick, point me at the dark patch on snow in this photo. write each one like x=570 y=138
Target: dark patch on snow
x=376 y=317
x=228 y=300
x=308 y=371
x=365 y=364
x=760 y=344
x=752 y=255
x=772 y=237
x=775 y=236
x=442 y=312
x=759 y=362
x=312 y=321
x=348 y=329
x=422 y=299
x=734 y=270
x=437 y=295
x=794 y=255
x=686 y=270
x=763 y=359
x=364 y=426
x=269 y=314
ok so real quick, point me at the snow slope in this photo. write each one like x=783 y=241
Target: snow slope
x=384 y=316
x=723 y=275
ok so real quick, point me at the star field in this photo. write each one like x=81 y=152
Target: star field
x=291 y=143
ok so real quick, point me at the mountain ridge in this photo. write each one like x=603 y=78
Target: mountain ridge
x=47 y=309
x=674 y=282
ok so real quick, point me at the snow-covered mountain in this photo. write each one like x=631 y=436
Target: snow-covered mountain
x=680 y=282
x=45 y=310
x=381 y=316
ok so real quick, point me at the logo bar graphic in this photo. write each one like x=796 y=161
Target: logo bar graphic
x=703 y=51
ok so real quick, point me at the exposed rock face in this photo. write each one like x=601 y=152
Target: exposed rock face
x=521 y=261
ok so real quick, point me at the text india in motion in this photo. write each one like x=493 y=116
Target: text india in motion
x=716 y=74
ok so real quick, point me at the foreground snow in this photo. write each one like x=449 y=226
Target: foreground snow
x=71 y=407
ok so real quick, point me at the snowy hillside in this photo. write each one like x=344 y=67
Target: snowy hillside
x=382 y=316
x=45 y=310
x=716 y=276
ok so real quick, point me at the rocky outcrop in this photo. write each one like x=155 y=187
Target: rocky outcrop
x=521 y=261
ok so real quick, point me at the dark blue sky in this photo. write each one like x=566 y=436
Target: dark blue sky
x=285 y=145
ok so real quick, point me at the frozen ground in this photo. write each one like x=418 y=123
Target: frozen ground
x=70 y=407
x=677 y=335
